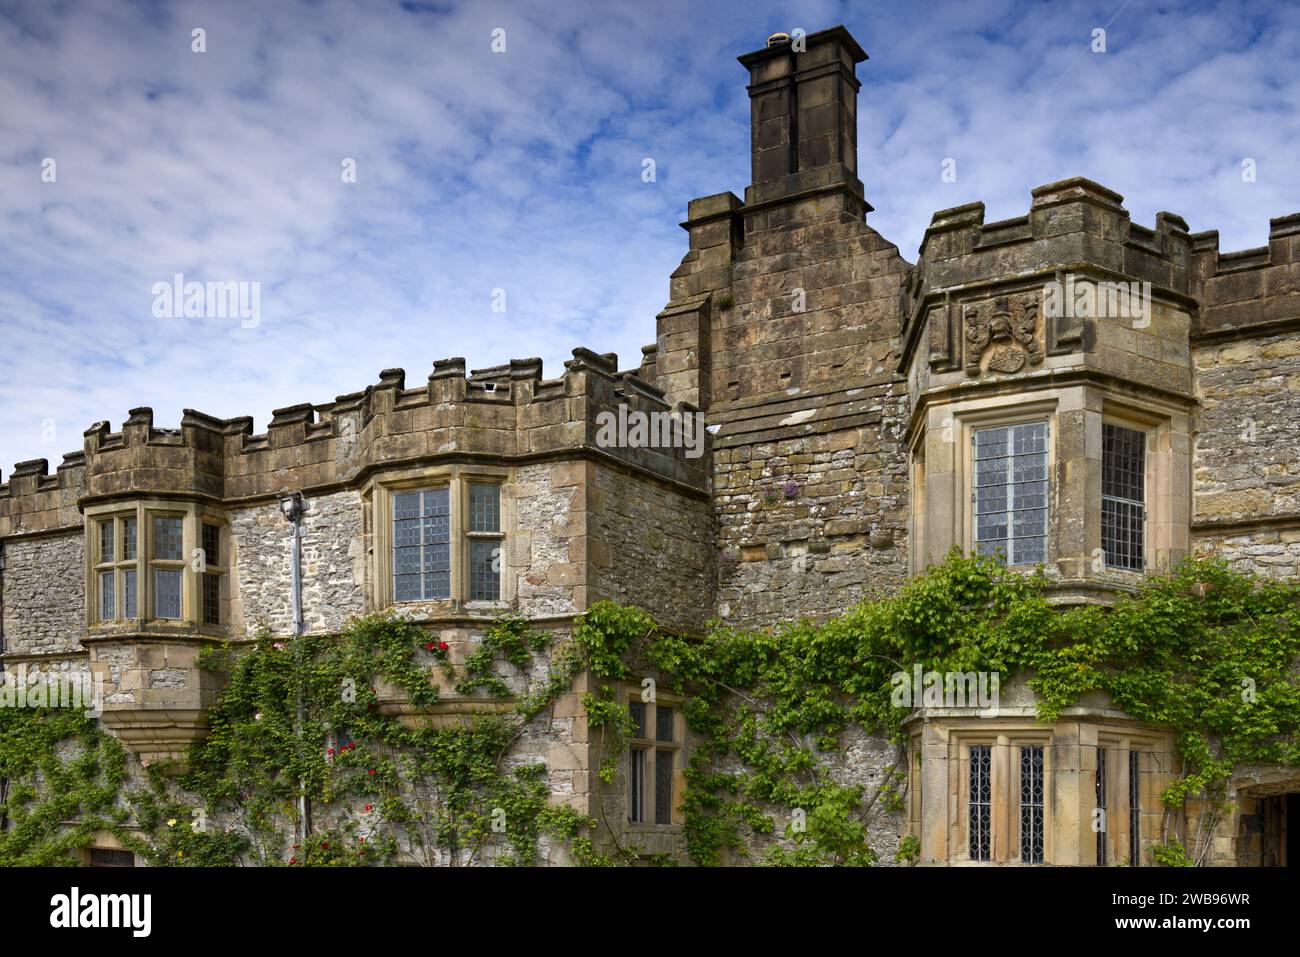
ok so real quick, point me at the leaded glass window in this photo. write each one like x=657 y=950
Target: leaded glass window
x=114 y=576
x=1134 y=809
x=663 y=787
x=1031 y=804
x=650 y=799
x=636 y=786
x=1010 y=493
x=1099 y=815
x=422 y=544
x=485 y=542
x=168 y=566
x=1123 y=497
x=212 y=572
x=980 y=798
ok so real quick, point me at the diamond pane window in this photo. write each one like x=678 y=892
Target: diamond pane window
x=1031 y=805
x=1123 y=496
x=1010 y=493
x=422 y=545
x=980 y=802
x=636 y=786
x=1134 y=809
x=663 y=724
x=1099 y=820
x=637 y=710
x=663 y=787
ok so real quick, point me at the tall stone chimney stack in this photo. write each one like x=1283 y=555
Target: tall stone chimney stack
x=804 y=144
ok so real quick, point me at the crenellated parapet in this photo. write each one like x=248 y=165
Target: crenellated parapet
x=1079 y=227
x=1253 y=292
x=501 y=414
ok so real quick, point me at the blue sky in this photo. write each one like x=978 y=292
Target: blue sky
x=522 y=170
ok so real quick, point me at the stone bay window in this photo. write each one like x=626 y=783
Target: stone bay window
x=1006 y=789
x=1093 y=488
x=155 y=565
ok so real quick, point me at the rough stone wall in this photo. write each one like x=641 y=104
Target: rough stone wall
x=656 y=548
x=44 y=594
x=1247 y=459
x=843 y=326
x=333 y=566
x=1247 y=455
x=808 y=526
x=549 y=538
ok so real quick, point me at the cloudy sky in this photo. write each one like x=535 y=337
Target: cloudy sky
x=522 y=170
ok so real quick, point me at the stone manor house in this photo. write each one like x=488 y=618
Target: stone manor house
x=865 y=414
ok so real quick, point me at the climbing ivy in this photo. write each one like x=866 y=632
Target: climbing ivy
x=56 y=767
x=1205 y=651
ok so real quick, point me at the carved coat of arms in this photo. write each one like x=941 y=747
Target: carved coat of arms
x=1006 y=332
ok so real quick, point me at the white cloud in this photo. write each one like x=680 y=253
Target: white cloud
x=523 y=171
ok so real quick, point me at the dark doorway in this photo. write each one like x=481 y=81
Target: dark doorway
x=1271 y=836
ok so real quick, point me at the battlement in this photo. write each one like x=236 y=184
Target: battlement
x=1079 y=225
x=501 y=413
x=1251 y=290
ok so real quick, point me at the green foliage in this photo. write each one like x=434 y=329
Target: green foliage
x=1171 y=854
x=1204 y=651
x=61 y=777
x=909 y=849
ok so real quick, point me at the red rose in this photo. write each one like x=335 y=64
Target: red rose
x=331 y=751
x=325 y=845
x=369 y=808
x=293 y=860
x=363 y=840
x=371 y=771
x=429 y=646
x=352 y=746
x=296 y=846
x=443 y=646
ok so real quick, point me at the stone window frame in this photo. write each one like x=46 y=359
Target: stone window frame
x=965 y=424
x=378 y=495
x=1004 y=794
x=192 y=514
x=1156 y=427
x=1119 y=810
x=652 y=745
x=153 y=564
x=218 y=568
x=117 y=565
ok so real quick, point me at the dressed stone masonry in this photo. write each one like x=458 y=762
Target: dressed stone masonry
x=844 y=389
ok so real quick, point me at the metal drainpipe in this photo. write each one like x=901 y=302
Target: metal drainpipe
x=292 y=505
